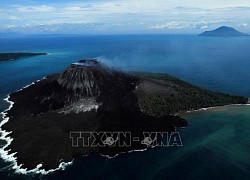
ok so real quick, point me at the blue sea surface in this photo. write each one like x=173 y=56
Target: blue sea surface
x=216 y=143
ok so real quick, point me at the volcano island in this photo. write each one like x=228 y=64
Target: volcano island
x=89 y=96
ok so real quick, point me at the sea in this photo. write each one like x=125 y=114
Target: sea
x=216 y=144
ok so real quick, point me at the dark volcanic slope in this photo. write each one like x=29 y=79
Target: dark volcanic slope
x=45 y=113
x=90 y=97
x=14 y=56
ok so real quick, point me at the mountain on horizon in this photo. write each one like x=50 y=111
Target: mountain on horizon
x=223 y=31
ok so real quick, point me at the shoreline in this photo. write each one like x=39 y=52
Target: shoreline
x=4 y=154
x=11 y=56
x=210 y=108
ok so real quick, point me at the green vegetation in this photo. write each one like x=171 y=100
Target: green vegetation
x=173 y=95
x=14 y=56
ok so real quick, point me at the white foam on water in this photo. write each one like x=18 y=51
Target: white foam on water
x=131 y=151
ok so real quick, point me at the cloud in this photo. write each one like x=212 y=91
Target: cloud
x=69 y=28
x=237 y=8
x=10 y=26
x=79 y=7
x=124 y=16
x=190 y=10
x=42 y=8
x=171 y=25
x=73 y=8
x=14 y=18
x=186 y=24
x=204 y=27
x=243 y=25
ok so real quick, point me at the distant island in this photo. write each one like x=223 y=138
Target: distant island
x=223 y=31
x=88 y=96
x=14 y=56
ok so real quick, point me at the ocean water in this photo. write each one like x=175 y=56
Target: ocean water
x=216 y=143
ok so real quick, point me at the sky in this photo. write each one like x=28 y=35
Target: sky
x=122 y=16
